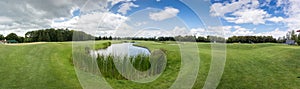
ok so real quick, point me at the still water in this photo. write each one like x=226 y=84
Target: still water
x=123 y=49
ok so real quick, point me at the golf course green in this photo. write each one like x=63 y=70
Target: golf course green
x=250 y=66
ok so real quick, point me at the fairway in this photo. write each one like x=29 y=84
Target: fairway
x=251 y=66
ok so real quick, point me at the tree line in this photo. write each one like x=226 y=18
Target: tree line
x=49 y=35
x=60 y=35
x=12 y=36
x=56 y=35
x=290 y=35
x=251 y=39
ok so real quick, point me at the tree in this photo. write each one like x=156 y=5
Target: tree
x=12 y=36
x=288 y=35
x=251 y=39
x=298 y=41
x=293 y=35
x=21 y=40
x=2 y=37
x=109 y=38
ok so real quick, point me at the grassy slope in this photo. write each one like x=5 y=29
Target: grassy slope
x=262 y=66
x=37 y=66
x=247 y=66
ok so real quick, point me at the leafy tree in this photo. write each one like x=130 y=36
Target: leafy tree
x=2 y=37
x=12 y=36
x=109 y=38
x=55 y=35
x=251 y=39
x=21 y=39
x=298 y=41
x=293 y=35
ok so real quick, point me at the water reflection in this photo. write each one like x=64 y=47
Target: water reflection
x=123 y=49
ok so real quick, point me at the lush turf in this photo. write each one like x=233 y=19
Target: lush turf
x=37 y=66
x=49 y=65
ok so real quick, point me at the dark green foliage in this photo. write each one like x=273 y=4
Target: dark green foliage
x=251 y=39
x=2 y=37
x=107 y=38
x=56 y=35
x=298 y=41
x=166 y=39
x=21 y=39
x=143 y=38
x=12 y=36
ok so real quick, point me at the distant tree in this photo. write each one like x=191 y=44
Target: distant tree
x=298 y=41
x=251 y=39
x=104 y=38
x=288 y=35
x=12 y=36
x=56 y=35
x=201 y=39
x=59 y=35
x=2 y=37
x=293 y=35
x=281 y=40
x=109 y=38
x=21 y=39
x=99 y=38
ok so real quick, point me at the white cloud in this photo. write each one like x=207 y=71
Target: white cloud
x=153 y=33
x=276 y=19
x=114 y=2
x=140 y=23
x=66 y=24
x=157 y=0
x=198 y=32
x=219 y=9
x=5 y=19
x=35 y=14
x=106 y=33
x=34 y=11
x=126 y=7
x=254 y=16
x=294 y=14
x=93 y=22
x=180 y=31
x=167 y=13
x=275 y=33
x=243 y=11
x=222 y=31
x=240 y=31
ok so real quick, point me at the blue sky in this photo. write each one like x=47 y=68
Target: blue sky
x=185 y=13
x=269 y=12
x=268 y=8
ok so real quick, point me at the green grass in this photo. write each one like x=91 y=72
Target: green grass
x=37 y=66
x=252 y=66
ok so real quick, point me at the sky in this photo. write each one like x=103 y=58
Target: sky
x=148 y=18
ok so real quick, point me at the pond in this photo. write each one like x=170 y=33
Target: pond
x=123 y=49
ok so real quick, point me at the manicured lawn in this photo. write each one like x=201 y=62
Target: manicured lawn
x=37 y=66
x=49 y=65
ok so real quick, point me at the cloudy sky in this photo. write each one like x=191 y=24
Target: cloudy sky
x=153 y=17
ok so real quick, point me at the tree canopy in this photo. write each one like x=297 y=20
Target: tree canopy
x=2 y=37
x=56 y=35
